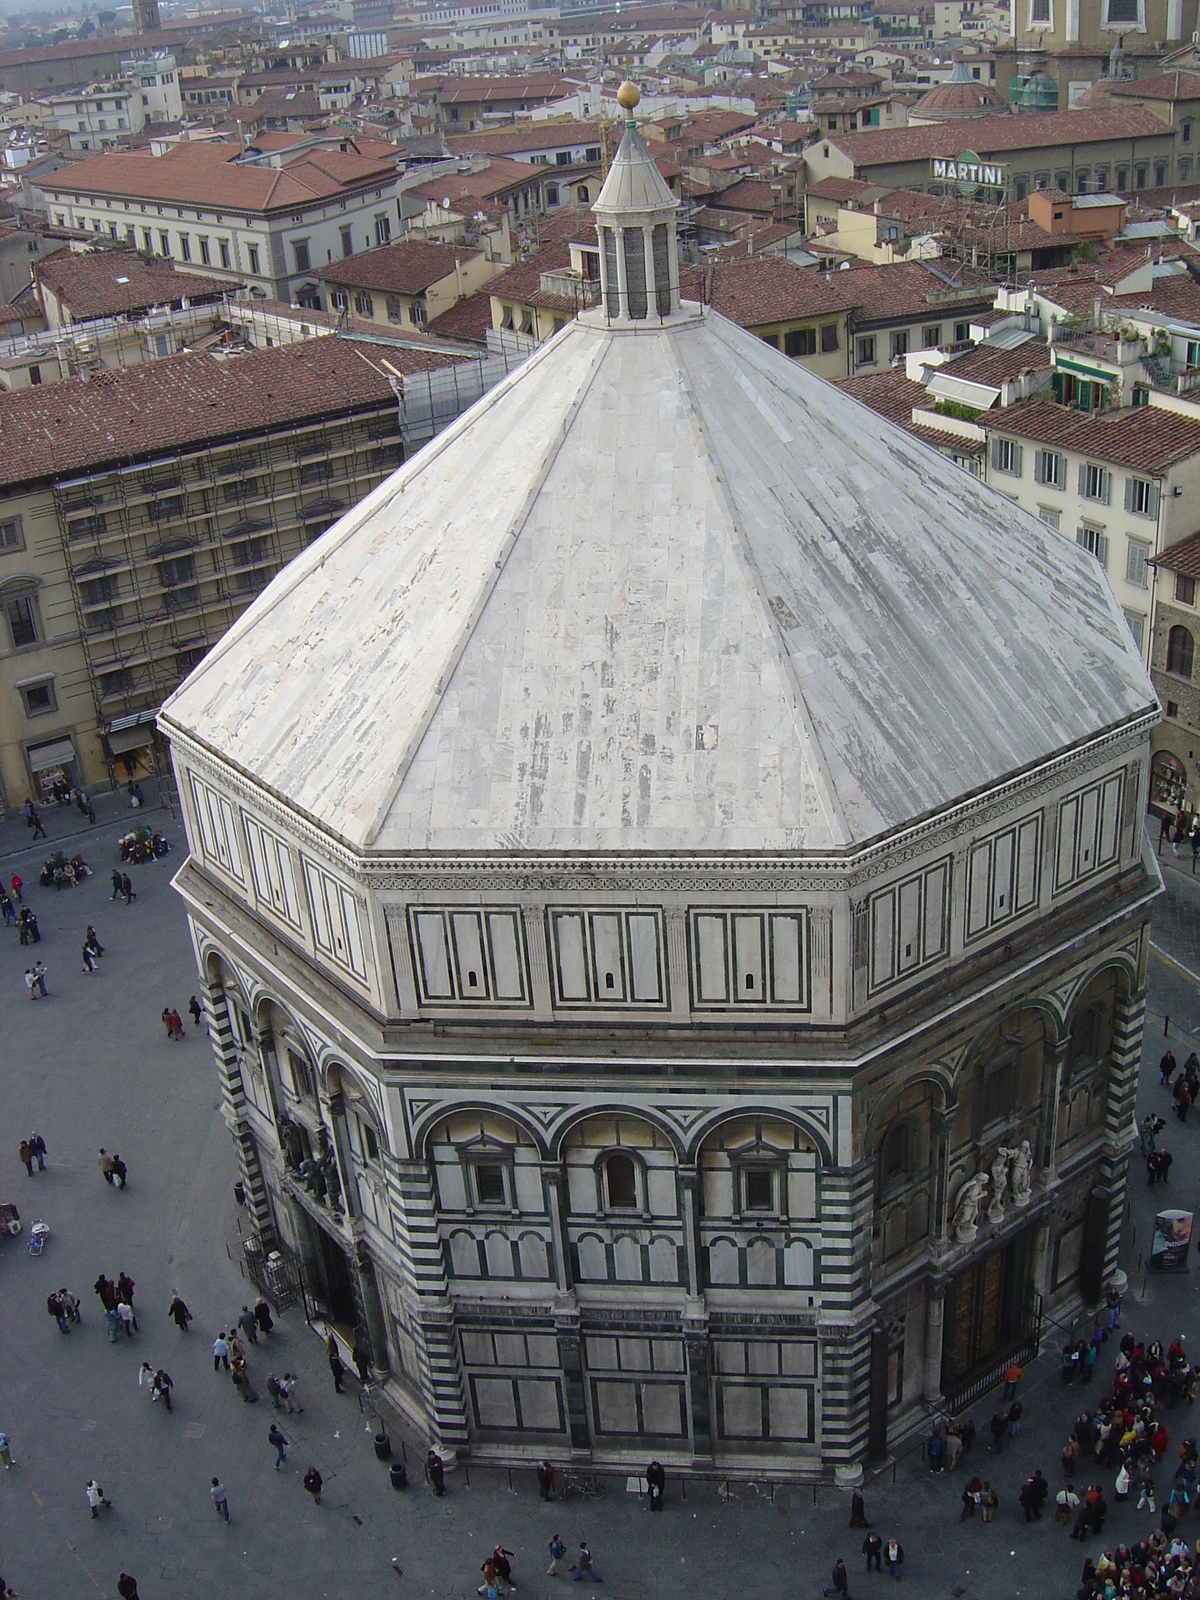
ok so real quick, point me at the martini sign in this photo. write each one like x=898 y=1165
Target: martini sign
x=968 y=173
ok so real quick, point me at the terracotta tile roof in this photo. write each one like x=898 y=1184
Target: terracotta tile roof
x=1147 y=438
x=767 y=289
x=1182 y=557
x=752 y=194
x=184 y=401
x=984 y=363
x=909 y=288
x=575 y=226
x=994 y=135
x=1163 y=86
x=892 y=394
x=496 y=178
x=839 y=189
x=523 y=280
x=300 y=105
x=205 y=175
x=486 y=91
x=111 y=283
x=512 y=141
x=1171 y=297
x=409 y=266
x=468 y=319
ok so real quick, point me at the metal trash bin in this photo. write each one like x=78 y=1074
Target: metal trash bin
x=383 y=1447
x=399 y=1475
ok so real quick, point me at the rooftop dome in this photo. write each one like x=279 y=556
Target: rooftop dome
x=956 y=98
x=662 y=589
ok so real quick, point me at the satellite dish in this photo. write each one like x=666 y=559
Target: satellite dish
x=446 y=203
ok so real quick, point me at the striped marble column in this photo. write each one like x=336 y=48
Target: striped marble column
x=233 y=1095
x=1128 y=1020
x=847 y=1316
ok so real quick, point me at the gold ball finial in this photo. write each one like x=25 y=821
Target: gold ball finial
x=628 y=95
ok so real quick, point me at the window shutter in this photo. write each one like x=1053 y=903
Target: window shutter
x=1152 y=505
x=1102 y=549
x=995 y=454
x=1039 y=466
x=1016 y=459
x=1081 y=537
x=1130 y=486
x=1082 y=481
x=1105 y=485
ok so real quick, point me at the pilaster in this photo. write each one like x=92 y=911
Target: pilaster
x=233 y=1095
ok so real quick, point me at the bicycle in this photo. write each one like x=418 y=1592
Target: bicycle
x=584 y=1484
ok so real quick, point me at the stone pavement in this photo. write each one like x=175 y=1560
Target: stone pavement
x=91 y=1065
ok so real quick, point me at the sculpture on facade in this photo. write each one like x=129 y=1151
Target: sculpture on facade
x=967 y=1207
x=1022 y=1166
x=289 y=1141
x=999 y=1183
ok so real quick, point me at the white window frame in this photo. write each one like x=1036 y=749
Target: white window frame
x=1137 y=627
x=1137 y=556
x=1094 y=540
x=1095 y=482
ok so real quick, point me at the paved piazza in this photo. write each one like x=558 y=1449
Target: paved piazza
x=91 y=1066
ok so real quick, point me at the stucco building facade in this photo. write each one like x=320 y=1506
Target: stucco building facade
x=672 y=994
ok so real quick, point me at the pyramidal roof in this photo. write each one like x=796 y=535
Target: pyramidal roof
x=634 y=183
x=662 y=589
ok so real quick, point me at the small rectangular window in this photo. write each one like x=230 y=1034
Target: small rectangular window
x=1136 y=559
x=1006 y=456
x=1051 y=469
x=185 y=247
x=204 y=255
x=11 y=535
x=489 y=1184
x=800 y=342
x=931 y=336
x=22 y=620
x=252 y=252
x=1094 y=482
x=864 y=351
x=223 y=247
x=1137 y=627
x=898 y=344
x=383 y=230
x=300 y=251
x=39 y=698
x=1094 y=542
x=829 y=338
x=1185 y=589
x=760 y=1189
x=1141 y=497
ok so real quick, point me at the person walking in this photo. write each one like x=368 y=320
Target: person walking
x=127 y=1319
x=1146 y=1486
x=287 y=1388
x=127 y=889
x=584 y=1564
x=16 y=883
x=872 y=1547
x=1066 y=1503
x=37 y=1146
x=998 y=1427
x=502 y=1561
x=6 y=1452
x=217 y=1495
x=92 y=940
x=127 y=1587
x=656 y=1484
x=89 y=960
x=557 y=1551
x=988 y=1501
x=195 y=1010
x=840 y=1584
x=338 y=1369
x=248 y=1323
x=1011 y=1379
x=858 y=1510
x=277 y=1438
x=262 y=1315
x=25 y=1155
x=361 y=1358
x=436 y=1473
x=312 y=1482
x=161 y=1386
x=179 y=1313
x=220 y=1352
x=95 y=1497
x=894 y=1554
x=39 y=976
x=971 y=1497
x=545 y=1478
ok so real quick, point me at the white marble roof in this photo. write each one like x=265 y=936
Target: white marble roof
x=663 y=589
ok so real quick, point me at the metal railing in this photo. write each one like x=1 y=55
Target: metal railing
x=965 y=1390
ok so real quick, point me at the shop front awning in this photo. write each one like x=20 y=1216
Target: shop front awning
x=121 y=740
x=55 y=754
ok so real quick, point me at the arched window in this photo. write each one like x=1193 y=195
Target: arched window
x=620 y=1179
x=1180 y=649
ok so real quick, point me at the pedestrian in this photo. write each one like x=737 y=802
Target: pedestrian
x=128 y=1321
x=1124 y=1481
x=176 y=1024
x=248 y=1323
x=1011 y=1379
x=117 y=889
x=276 y=1437
x=161 y=1387
x=55 y=1308
x=118 y=1171
x=953 y=1445
x=967 y=1429
x=287 y=1387
x=998 y=1427
x=934 y=1446
x=92 y=941
x=337 y=1368
x=166 y=1021
x=872 y=1547
x=179 y=1313
x=195 y=1009
x=217 y=1495
x=361 y=1357
x=858 y=1510
x=39 y=977
x=1066 y=1503
x=89 y=960
x=124 y=1286
x=15 y=884
x=312 y=1482
x=1146 y=1486
x=1164 y=831
x=31 y=985
x=5 y=1451
x=584 y=1564
x=1027 y=1499
x=127 y=1587
x=95 y=1497
x=127 y=889
x=557 y=1551
x=1163 y=1168
x=436 y=1473
x=988 y=1501
x=25 y=1155
x=656 y=1484
x=490 y=1587
x=894 y=1554
x=545 y=1478
x=840 y=1584
x=1178 y=836
x=262 y=1315
x=971 y=1497
x=38 y=1145
x=502 y=1561
x=220 y=1352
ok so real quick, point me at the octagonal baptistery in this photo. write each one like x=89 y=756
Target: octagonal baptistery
x=666 y=870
